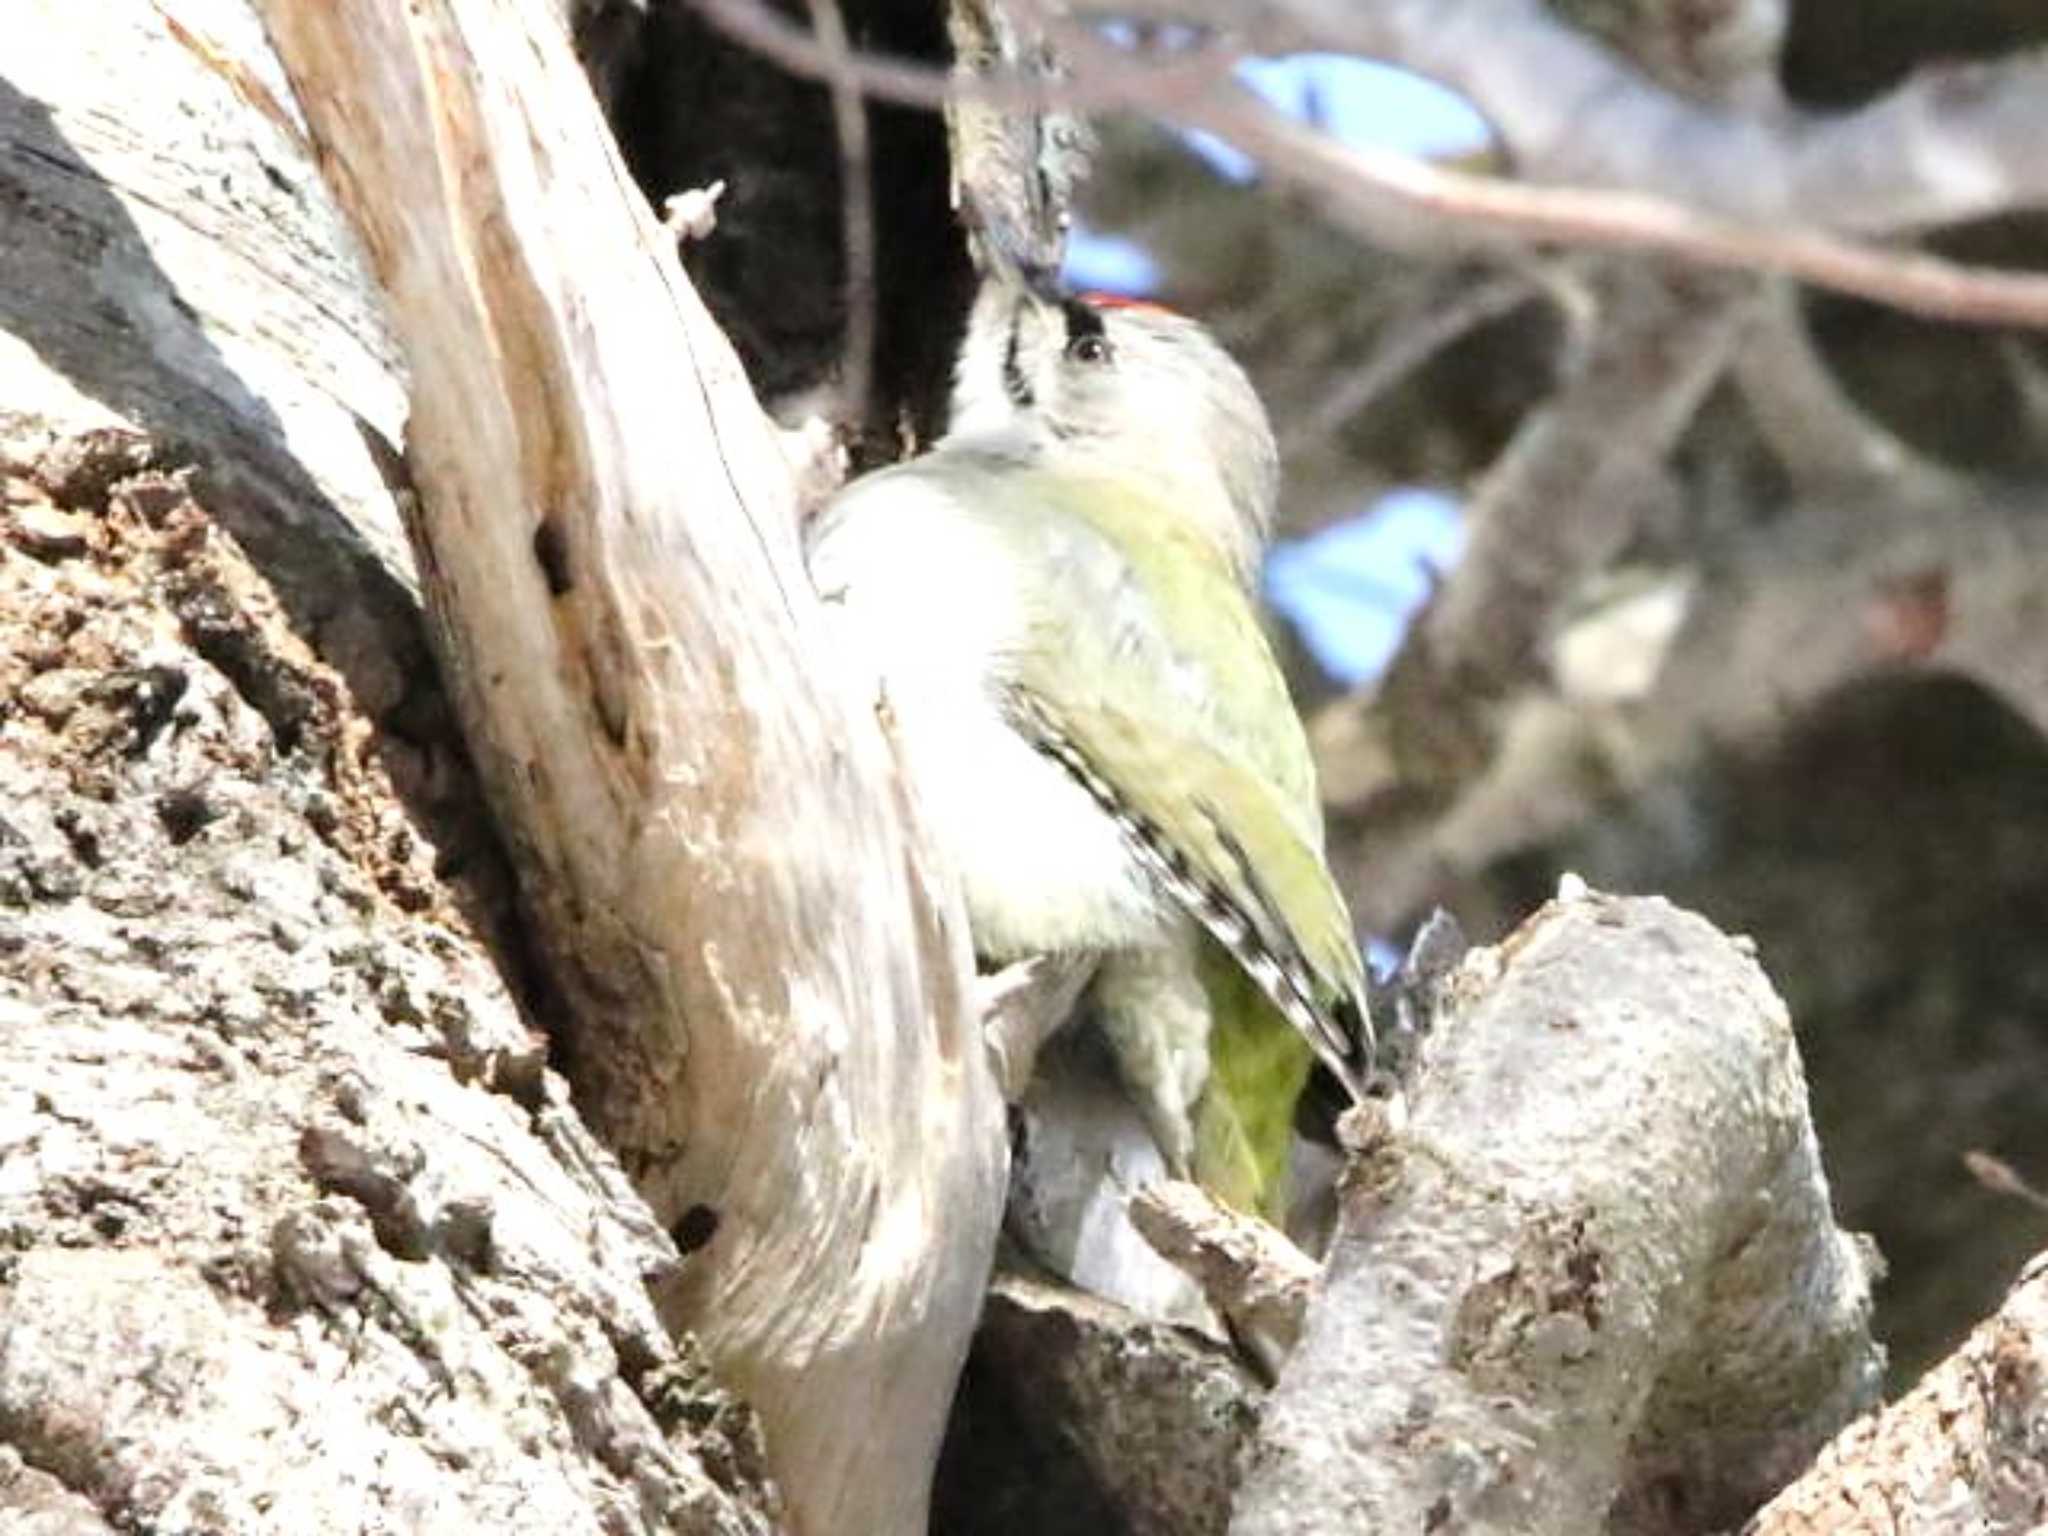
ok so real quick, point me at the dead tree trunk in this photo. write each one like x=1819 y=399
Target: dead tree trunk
x=301 y=1232
x=768 y=1017
x=765 y=1006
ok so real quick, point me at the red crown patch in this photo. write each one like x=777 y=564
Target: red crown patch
x=1125 y=301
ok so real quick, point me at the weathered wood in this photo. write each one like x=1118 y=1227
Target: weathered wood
x=1594 y=1271
x=1965 y=1450
x=769 y=984
x=301 y=1235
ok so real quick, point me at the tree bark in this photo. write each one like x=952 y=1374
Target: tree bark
x=1596 y=1271
x=301 y=1232
x=195 y=362
x=1965 y=1450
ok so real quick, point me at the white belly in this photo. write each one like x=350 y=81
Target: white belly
x=1042 y=866
x=923 y=605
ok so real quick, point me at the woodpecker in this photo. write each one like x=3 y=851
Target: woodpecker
x=1058 y=601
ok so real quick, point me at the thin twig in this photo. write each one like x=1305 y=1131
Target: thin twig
x=1948 y=143
x=857 y=210
x=2000 y=1177
x=1334 y=174
x=1365 y=188
x=1820 y=436
x=1408 y=349
x=911 y=83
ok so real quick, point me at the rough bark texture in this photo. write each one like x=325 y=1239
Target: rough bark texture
x=1596 y=1270
x=174 y=267
x=297 y=1230
x=301 y=1234
x=1965 y=1450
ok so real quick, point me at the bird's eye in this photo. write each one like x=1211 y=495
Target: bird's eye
x=1090 y=348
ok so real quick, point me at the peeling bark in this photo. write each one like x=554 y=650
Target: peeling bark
x=790 y=1069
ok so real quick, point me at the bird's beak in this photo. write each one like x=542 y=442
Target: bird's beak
x=1043 y=282
x=1023 y=260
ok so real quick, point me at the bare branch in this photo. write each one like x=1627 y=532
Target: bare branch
x=1558 y=504
x=1965 y=1450
x=1598 y=1263
x=1950 y=144
x=1817 y=432
x=913 y=84
x=857 y=213
x=1779 y=618
x=1380 y=195
x=1249 y=1271
x=1431 y=326
x=1393 y=199
x=1466 y=702
x=2000 y=1177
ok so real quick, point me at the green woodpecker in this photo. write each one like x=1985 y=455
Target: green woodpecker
x=1057 y=599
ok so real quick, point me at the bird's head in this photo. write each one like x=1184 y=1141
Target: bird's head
x=1130 y=390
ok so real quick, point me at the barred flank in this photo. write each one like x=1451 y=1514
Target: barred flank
x=1285 y=979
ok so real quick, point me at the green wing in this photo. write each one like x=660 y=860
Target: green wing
x=1230 y=853
x=1154 y=683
